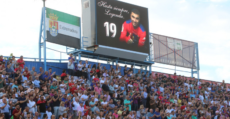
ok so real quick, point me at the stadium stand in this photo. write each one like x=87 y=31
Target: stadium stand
x=91 y=91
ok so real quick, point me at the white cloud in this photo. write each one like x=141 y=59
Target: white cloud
x=219 y=0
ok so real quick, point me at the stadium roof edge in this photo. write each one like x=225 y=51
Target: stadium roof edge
x=92 y=55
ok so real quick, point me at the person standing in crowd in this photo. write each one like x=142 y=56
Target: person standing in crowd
x=13 y=63
x=41 y=106
x=71 y=57
x=71 y=67
x=23 y=101
x=17 y=112
x=41 y=73
x=21 y=62
x=79 y=67
x=31 y=105
x=5 y=108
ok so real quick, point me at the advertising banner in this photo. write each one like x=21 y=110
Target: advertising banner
x=62 y=28
x=173 y=51
x=122 y=25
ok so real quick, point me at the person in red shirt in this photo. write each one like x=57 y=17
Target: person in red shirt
x=96 y=79
x=71 y=84
x=74 y=89
x=183 y=106
x=174 y=76
x=86 y=107
x=17 y=112
x=160 y=97
x=83 y=87
x=63 y=75
x=27 y=73
x=135 y=30
x=21 y=62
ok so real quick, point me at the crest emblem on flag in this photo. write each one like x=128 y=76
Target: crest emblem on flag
x=53 y=25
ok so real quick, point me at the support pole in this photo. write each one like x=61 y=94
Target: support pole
x=150 y=69
x=60 y=57
x=44 y=3
x=79 y=56
x=134 y=71
x=197 y=61
x=191 y=73
x=40 y=37
x=44 y=35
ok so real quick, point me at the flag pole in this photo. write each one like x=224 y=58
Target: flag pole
x=44 y=1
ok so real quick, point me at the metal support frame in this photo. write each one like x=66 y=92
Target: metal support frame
x=79 y=57
x=197 y=63
x=42 y=35
x=134 y=68
x=82 y=42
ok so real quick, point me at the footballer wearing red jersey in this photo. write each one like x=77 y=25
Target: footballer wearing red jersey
x=132 y=31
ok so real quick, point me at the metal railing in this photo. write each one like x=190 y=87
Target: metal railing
x=37 y=59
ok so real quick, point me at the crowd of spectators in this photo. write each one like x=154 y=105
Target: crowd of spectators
x=94 y=92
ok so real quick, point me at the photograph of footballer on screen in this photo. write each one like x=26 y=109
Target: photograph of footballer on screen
x=133 y=32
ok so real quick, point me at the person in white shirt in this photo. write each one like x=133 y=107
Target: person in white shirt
x=62 y=87
x=79 y=66
x=116 y=86
x=75 y=104
x=84 y=97
x=130 y=85
x=5 y=108
x=104 y=102
x=24 y=78
x=201 y=97
x=49 y=113
x=32 y=105
x=161 y=88
x=71 y=67
x=106 y=73
x=102 y=81
x=168 y=110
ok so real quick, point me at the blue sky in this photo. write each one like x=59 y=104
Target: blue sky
x=204 y=21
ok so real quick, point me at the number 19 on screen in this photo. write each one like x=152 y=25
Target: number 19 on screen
x=110 y=27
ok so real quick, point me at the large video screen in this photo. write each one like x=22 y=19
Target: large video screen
x=122 y=25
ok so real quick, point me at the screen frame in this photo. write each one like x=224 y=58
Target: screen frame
x=147 y=33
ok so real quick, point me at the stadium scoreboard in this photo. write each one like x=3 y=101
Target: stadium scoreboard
x=115 y=24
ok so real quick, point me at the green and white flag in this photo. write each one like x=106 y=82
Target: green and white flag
x=62 y=28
